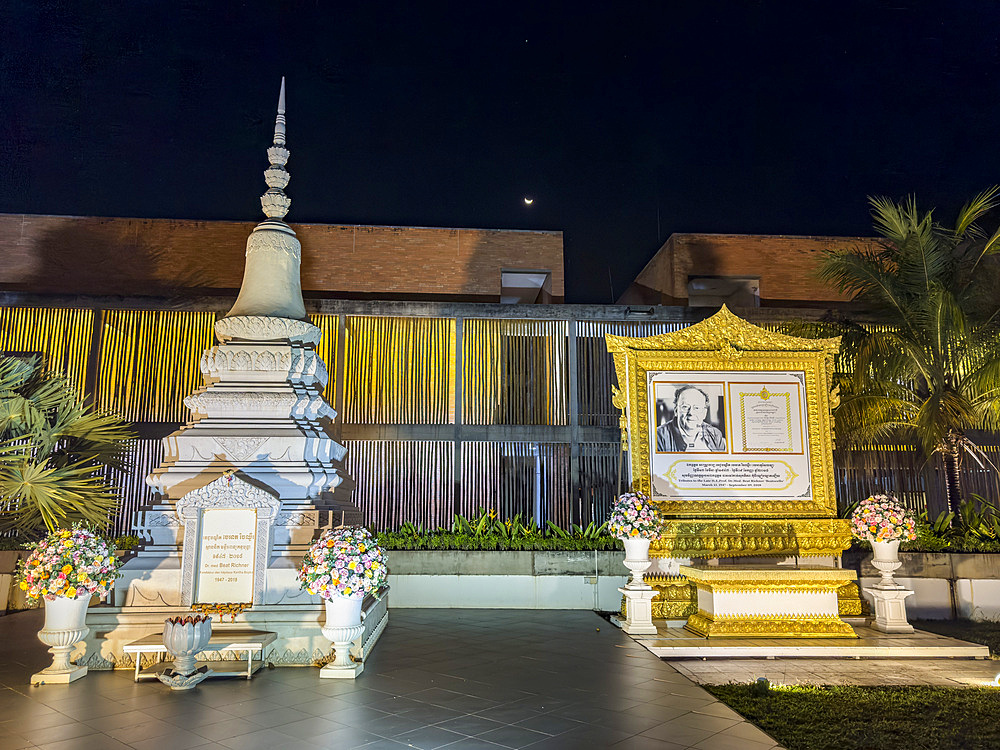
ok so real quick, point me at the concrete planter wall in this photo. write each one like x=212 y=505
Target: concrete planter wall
x=506 y=580
x=946 y=585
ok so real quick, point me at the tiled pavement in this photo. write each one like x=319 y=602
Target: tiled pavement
x=438 y=678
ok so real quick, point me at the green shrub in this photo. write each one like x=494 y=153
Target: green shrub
x=486 y=531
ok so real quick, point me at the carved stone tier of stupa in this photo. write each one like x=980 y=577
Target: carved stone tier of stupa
x=261 y=419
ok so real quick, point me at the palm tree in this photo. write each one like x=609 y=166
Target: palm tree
x=53 y=451
x=930 y=370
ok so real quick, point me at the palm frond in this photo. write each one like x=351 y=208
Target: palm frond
x=975 y=209
x=53 y=451
x=36 y=495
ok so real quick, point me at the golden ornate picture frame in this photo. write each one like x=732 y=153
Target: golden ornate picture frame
x=725 y=343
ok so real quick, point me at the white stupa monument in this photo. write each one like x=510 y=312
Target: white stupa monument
x=253 y=478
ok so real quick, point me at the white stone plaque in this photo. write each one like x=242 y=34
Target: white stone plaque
x=226 y=555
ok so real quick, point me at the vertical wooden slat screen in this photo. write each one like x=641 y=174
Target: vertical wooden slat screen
x=327 y=347
x=598 y=481
x=917 y=481
x=149 y=362
x=399 y=481
x=144 y=456
x=399 y=371
x=515 y=372
x=595 y=369
x=517 y=477
x=62 y=336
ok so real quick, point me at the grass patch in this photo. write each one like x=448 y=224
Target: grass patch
x=986 y=633
x=870 y=718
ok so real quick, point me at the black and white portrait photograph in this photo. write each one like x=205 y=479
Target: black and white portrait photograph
x=690 y=418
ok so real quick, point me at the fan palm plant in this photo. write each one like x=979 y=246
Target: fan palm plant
x=53 y=450
x=929 y=372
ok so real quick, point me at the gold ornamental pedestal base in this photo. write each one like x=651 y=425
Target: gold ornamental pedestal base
x=781 y=601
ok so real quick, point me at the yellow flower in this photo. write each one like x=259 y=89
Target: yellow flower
x=24 y=586
x=67 y=569
x=71 y=592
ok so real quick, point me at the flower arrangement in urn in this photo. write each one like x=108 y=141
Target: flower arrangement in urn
x=633 y=515
x=344 y=565
x=883 y=521
x=634 y=520
x=68 y=563
x=344 y=562
x=882 y=518
x=65 y=569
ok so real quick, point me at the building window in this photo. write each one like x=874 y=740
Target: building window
x=715 y=291
x=525 y=287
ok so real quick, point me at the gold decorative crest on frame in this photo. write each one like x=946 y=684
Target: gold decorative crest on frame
x=730 y=346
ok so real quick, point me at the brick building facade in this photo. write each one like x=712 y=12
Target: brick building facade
x=115 y=256
x=743 y=270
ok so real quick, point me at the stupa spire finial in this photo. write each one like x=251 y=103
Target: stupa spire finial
x=271 y=284
x=274 y=202
x=279 y=121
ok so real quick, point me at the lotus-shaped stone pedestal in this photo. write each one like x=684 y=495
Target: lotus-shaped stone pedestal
x=183 y=638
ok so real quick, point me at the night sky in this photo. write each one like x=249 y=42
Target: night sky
x=624 y=123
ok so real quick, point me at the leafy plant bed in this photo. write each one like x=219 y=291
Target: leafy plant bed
x=394 y=540
x=489 y=533
x=986 y=633
x=862 y=718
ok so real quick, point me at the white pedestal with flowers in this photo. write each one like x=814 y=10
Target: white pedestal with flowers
x=343 y=566
x=884 y=522
x=634 y=520
x=66 y=569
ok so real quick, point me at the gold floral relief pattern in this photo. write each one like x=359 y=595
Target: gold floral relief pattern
x=752 y=538
x=849 y=600
x=772 y=626
x=675 y=598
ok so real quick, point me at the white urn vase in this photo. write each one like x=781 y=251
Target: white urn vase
x=65 y=626
x=343 y=626
x=184 y=638
x=885 y=559
x=636 y=560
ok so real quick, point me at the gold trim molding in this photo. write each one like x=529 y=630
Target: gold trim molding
x=677 y=598
x=771 y=626
x=724 y=578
